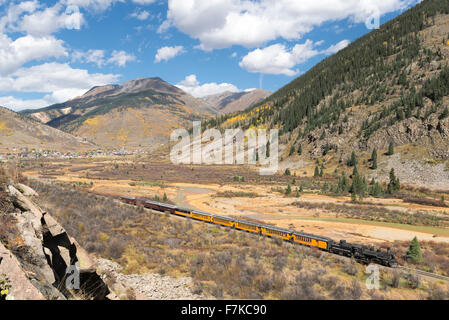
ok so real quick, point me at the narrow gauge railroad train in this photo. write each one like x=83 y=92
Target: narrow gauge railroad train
x=360 y=253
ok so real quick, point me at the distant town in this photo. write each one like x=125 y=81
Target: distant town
x=32 y=154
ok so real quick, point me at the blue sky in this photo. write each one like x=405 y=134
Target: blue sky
x=51 y=51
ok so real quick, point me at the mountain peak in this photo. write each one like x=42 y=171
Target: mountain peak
x=228 y=102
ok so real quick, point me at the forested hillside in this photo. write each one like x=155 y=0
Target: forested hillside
x=388 y=86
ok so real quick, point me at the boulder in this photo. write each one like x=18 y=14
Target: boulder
x=23 y=203
x=53 y=226
x=26 y=191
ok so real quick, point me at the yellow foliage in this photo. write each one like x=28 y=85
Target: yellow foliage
x=385 y=43
x=242 y=117
x=92 y=121
x=3 y=126
x=103 y=236
x=447 y=42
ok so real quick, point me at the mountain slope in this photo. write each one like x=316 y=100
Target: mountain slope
x=18 y=131
x=138 y=113
x=229 y=102
x=390 y=85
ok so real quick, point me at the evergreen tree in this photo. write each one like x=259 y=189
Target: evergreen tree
x=374 y=159
x=390 y=149
x=355 y=171
x=414 y=251
x=267 y=152
x=165 y=198
x=321 y=172
x=353 y=160
x=394 y=184
x=445 y=114
x=288 y=190
x=317 y=172
x=287 y=172
x=376 y=190
x=342 y=183
x=292 y=150
x=300 y=150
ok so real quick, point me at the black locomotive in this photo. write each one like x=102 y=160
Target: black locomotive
x=364 y=254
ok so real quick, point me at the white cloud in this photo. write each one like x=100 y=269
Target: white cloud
x=20 y=104
x=167 y=53
x=58 y=81
x=337 y=47
x=90 y=56
x=143 y=15
x=98 y=57
x=277 y=59
x=14 y=11
x=13 y=54
x=222 y=23
x=49 y=20
x=120 y=58
x=95 y=5
x=192 y=86
x=143 y=2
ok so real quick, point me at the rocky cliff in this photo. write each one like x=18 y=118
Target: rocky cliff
x=36 y=253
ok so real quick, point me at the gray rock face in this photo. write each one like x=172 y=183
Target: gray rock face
x=48 y=251
x=21 y=286
x=26 y=191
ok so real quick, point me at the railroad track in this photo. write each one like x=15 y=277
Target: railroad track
x=424 y=273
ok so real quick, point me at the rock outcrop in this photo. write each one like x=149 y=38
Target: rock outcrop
x=43 y=257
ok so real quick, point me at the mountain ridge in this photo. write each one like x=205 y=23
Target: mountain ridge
x=363 y=96
x=136 y=113
x=228 y=102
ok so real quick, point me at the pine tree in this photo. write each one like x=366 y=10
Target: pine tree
x=355 y=171
x=165 y=198
x=292 y=150
x=300 y=150
x=390 y=149
x=414 y=251
x=342 y=183
x=288 y=190
x=317 y=172
x=353 y=161
x=445 y=114
x=267 y=152
x=321 y=172
x=287 y=172
x=374 y=159
x=394 y=184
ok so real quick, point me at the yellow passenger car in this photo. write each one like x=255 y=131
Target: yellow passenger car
x=199 y=215
x=248 y=226
x=311 y=240
x=223 y=221
x=277 y=232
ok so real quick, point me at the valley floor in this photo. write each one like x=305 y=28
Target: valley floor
x=256 y=198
